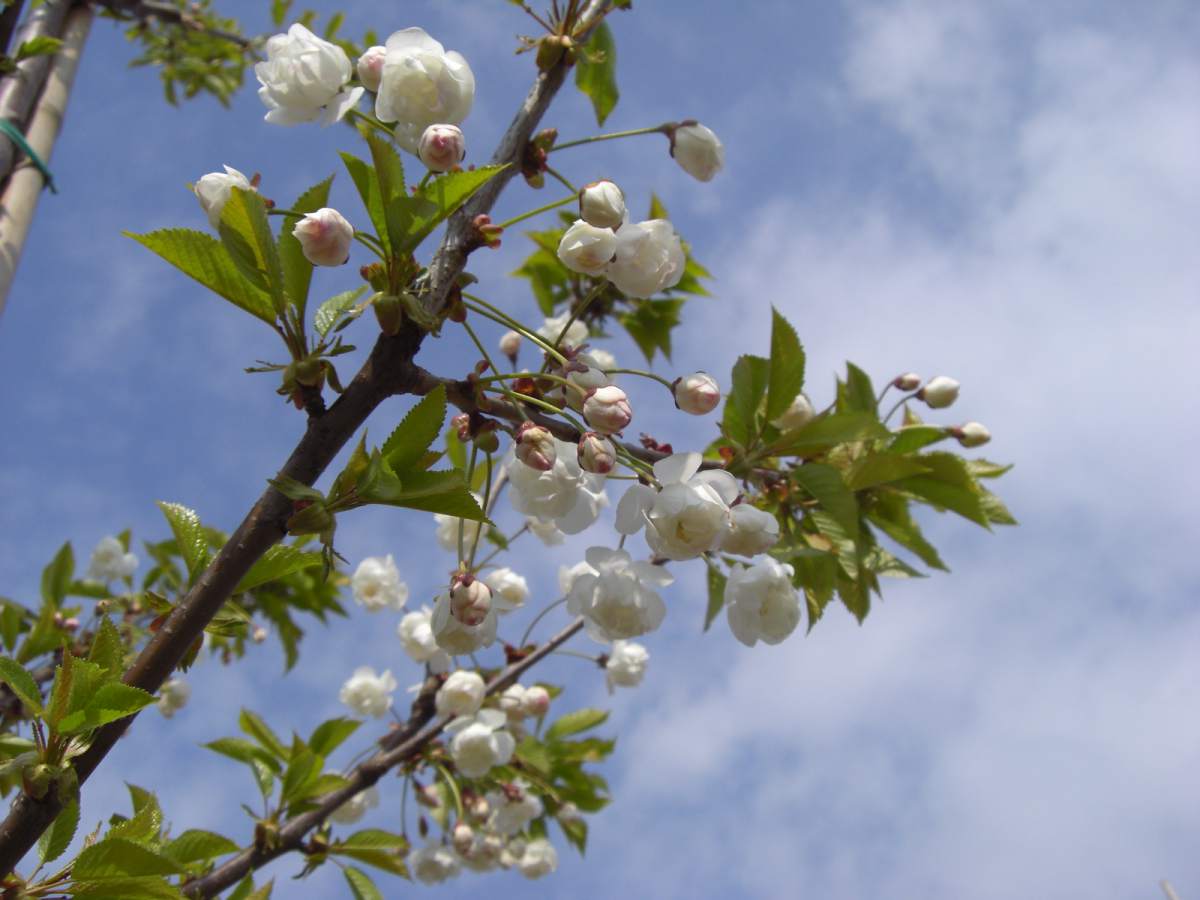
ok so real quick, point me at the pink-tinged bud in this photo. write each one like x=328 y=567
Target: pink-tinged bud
x=510 y=345
x=697 y=394
x=535 y=447
x=470 y=600
x=607 y=409
x=972 y=434
x=909 y=381
x=536 y=701
x=602 y=204
x=462 y=837
x=370 y=67
x=324 y=237
x=258 y=635
x=596 y=454
x=939 y=393
x=462 y=427
x=486 y=234
x=70 y=624
x=442 y=147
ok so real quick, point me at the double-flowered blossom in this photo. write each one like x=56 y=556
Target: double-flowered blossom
x=616 y=599
x=698 y=150
x=482 y=853
x=442 y=147
x=461 y=694
x=416 y=636
x=940 y=392
x=761 y=603
x=173 y=696
x=546 y=531
x=509 y=590
x=513 y=806
x=470 y=600
x=576 y=334
x=564 y=495
x=751 y=531
x=325 y=237
x=376 y=584
x=110 y=561
x=305 y=79
x=586 y=249
x=535 y=446
x=649 y=258
x=421 y=85
x=798 y=414
x=433 y=864
x=448 y=528
x=356 y=807
x=478 y=743
x=602 y=204
x=455 y=636
x=368 y=694
x=538 y=860
x=697 y=394
x=688 y=516
x=214 y=189
x=584 y=374
x=596 y=453
x=519 y=702
x=626 y=664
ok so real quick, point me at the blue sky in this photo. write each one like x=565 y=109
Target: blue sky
x=1003 y=192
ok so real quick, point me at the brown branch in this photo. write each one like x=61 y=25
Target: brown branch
x=164 y=12
x=398 y=747
x=388 y=370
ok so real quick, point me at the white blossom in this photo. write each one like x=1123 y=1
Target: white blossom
x=536 y=702
x=303 y=79
x=513 y=807
x=596 y=453
x=626 y=664
x=356 y=807
x=798 y=414
x=649 y=258
x=376 y=584
x=470 y=600
x=325 y=237
x=576 y=334
x=461 y=694
x=478 y=743
x=587 y=249
x=483 y=852
x=457 y=638
x=368 y=694
x=688 y=516
x=545 y=531
x=607 y=409
x=940 y=392
x=173 y=696
x=442 y=147
x=584 y=373
x=697 y=394
x=600 y=358
x=447 y=531
x=568 y=574
x=370 y=67
x=698 y=151
x=422 y=85
x=110 y=561
x=539 y=859
x=602 y=204
x=510 y=344
x=972 y=434
x=751 y=531
x=565 y=495
x=761 y=603
x=214 y=190
x=416 y=636
x=433 y=864
x=535 y=446
x=618 y=601
x=509 y=590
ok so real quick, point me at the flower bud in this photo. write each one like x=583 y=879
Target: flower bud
x=258 y=635
x=442 y=147
x=909 y=381
x=596 y=454
x=939 y=393
x=607 y=409
x=697 y=394
x=370 y=67
x=324 y=237
x=796 y=416
x=470 y=600
x=536 y=701
x=462 y=838
x=510 y=345
x=535 y=447
x=462 y=427
x=972 y=434
x=479 y=808
x=698 y=151
x=602 y=204
x=213 y=190
x=587 y=249
x=486 y=440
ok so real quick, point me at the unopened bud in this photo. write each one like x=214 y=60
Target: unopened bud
x=697 y=149
x=389 y=311
x=607 y=409
x=796 y=416
x=442 y=147
x=487 y=234
x=258 y=635
x=37 y=780
x=939 y=393
x=596 y=453
x=479 y=808
x=463 y=837
x=462 y=427
x=535 y=447
x=324 y=237
x=370 y=67
x=972 y=434
x=510 y=345
x=909 y=381
x=470 y=600
x=697 y=394
x=602 y=204
x=70 y=624
x=551 y=49
x=536 y=701
x=486 y=440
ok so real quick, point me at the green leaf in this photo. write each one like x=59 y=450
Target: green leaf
x=984 y=468
x=857 y=394
x=279 y=561
x=650 y=323
x=21 y=683
x=189 y=535
x=252 y=724
x=855 y=597
x=750 y=377
x=55 y=839
x=440 y=491
x=329 y=312
x=195 y=845
x=361 y=886
x=716 y=595
x=881 y=468
x=245 y=752
x=828 y=431
x=146 y=823
x=367 y=182
x=109 y=703
x=12 y=619
x=889 y=513
x=303 y=770
x=330 y=735
x=416 y=432
x=914 y=437
x=295 y=490
x=816 y=573
x=826 y=485
x=60 y=693
x=108 y=652
x=42 y=45
x=56 y=577
x=118 y=856
x=438 y=200
x=787 y=366
x=949 y=485
x=297 y=270
x=596 y=71
x=575 y=722
x=203 y=258
x=995 y=510
x=133 y=887
x=247 y=237
x=373 y=839
x=43 y=637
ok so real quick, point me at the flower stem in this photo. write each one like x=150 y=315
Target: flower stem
x=372 y=121
x=541 y=209
x=528 y=631
x=898 y=404
x=562 y=179
x=500 y=317
x=641 y=372
x=512 y=398
x=613 y=136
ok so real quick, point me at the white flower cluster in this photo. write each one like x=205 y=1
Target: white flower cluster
x=110 y=562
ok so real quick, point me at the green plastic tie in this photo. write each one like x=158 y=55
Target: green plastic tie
x=17 y=138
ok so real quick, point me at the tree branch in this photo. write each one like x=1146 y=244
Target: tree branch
x=389 y=370
x=398 y=747
x=151 y=9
